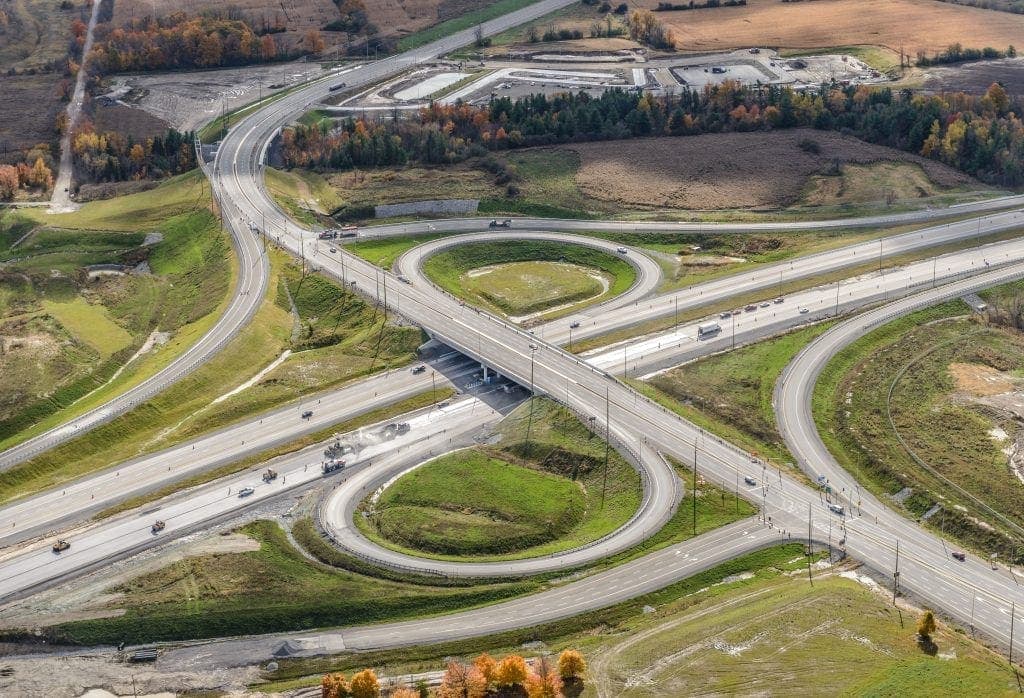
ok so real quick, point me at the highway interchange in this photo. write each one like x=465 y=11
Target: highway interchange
x=586 y=385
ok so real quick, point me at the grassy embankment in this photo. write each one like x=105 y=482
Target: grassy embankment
x=730 y=394
x=339 y=338
x=706 y=631
x=553 y=182
x=944 y=423
x=538 y=491
x=100 y=323
x=536 y=286
x=305 y=196
x=273 y=589
x=228 y=582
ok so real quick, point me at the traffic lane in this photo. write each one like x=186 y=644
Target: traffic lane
x=621 y=583
x=31 y=516
x=665 y=350
x=430 y=430
x=569 y=225
x=770 y=278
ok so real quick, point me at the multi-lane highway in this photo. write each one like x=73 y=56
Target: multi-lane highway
x=593 y=392
x=245 y=151
x=431 y=430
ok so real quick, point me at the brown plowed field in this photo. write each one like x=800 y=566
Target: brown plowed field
x=916 y=24
x=730 y=170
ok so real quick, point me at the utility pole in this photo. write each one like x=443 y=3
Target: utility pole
x=433 y=387
x=896 y=573
x=607 y=442
x=809 y=577
x=694 y=493
x=1013 y=610
x=675 y=317
x=529 y=421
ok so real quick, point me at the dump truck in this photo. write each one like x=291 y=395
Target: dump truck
x=61 y=545
x=271 y=474
x=158 y=526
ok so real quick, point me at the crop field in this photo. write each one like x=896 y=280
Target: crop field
x=28 y=112
x=955 y=408
x=913 y=24
x=269 y=589
x=467 y=503
x=765 y=170
x=731 y=394
x=453 y=270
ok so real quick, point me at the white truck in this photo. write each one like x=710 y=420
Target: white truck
x=708 y=329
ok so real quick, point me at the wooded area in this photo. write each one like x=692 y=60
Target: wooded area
x=981 y=136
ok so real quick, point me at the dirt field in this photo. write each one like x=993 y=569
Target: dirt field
x=34 y=32
x=916 y=24
x=29 y=106
x=736 y=170
x=976 y=77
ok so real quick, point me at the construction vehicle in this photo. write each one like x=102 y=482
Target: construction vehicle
x=329 y=466
x=271 y=474
x=61 y=545
x=158 y=526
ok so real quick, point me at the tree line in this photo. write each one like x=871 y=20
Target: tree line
x=512 y=676
x=113 y=157
x=958 y=54
x=980 y=135
x=178 y=41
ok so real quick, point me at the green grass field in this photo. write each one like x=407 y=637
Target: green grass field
x=81 y=330
x=730 y=394
x=339 y=338
x=947 y=429
x=384 y=251
x=562 y=457
x=272 y=589
x=522 y=288
x=450 y=270
x=468 y=503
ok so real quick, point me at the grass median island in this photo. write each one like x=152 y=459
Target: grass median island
x=954 y=405
x=730 y=394
x=468 y=503
x=383 y=251
x=274 y=588
x=527 y=277
x=536 y=492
